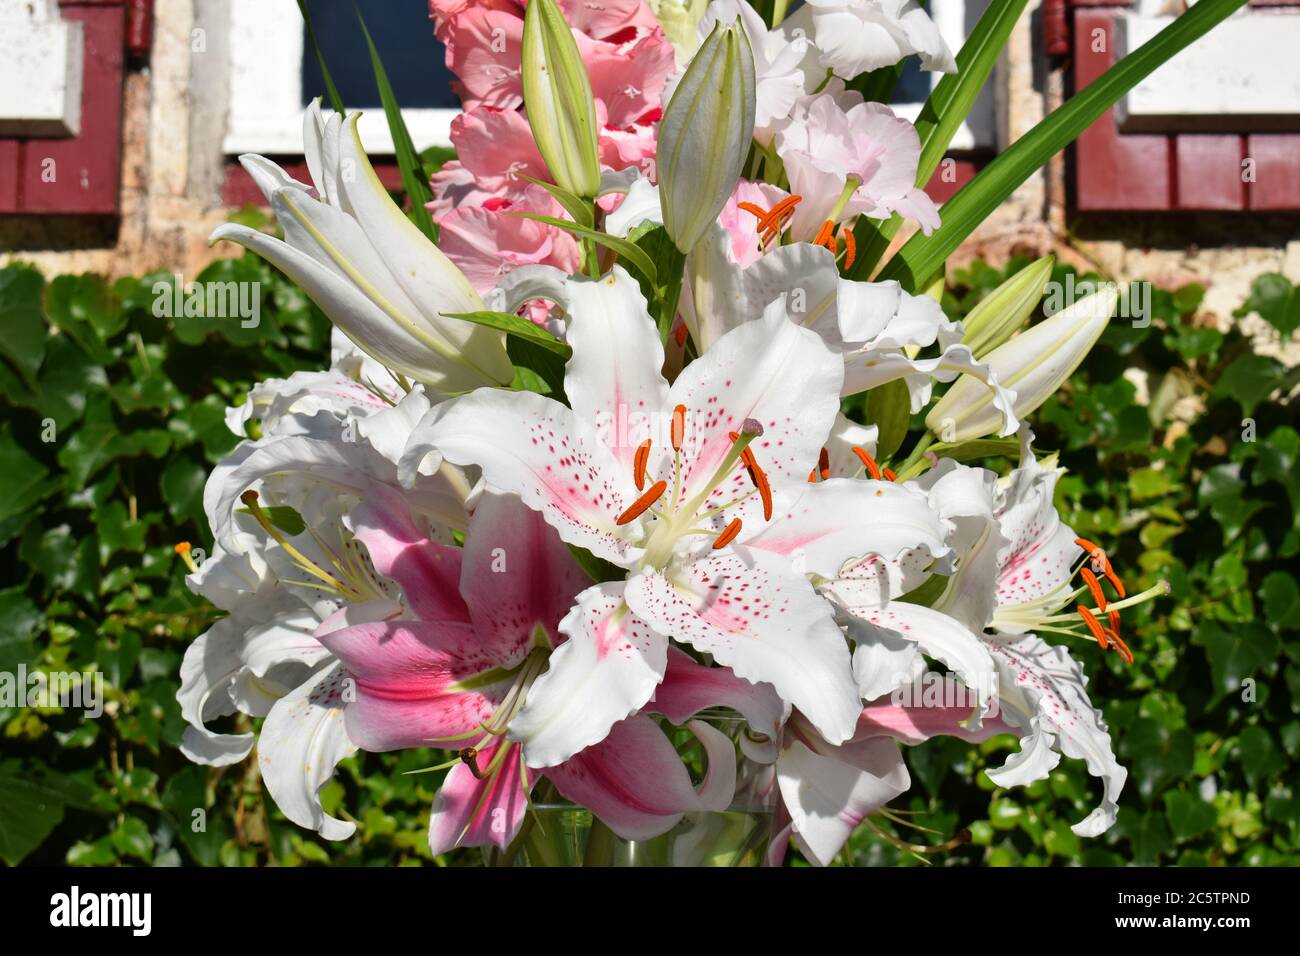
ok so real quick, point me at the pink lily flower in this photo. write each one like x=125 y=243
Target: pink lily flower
x=452 y=675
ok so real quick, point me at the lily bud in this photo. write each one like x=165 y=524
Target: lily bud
x=557 y=96
x=1034 y=364
x=1004 y=310
x=705 y=133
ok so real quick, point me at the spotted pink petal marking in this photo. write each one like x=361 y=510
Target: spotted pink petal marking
x=764 y=622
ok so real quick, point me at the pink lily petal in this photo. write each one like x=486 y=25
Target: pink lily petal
x=540 y=450
x=472 y=812
x=689 y=688
x=517 y=574
x=636 y=783
x=408 y=678
x=427 y=572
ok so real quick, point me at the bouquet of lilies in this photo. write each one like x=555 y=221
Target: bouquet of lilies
x=576 y=506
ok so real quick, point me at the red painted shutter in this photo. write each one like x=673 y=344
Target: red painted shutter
x=1139 y=172
x=86 y=168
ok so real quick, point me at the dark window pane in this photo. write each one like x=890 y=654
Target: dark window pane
x=403 y=33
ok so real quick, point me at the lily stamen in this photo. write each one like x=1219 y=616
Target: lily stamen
x=868 y=462
x=639 y=463
x=183 y=549
x=728 y=535
x=639 y=507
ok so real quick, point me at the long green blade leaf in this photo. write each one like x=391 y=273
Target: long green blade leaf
x=923 y=255
x=331 y=90
x=517 y=326
x=628 y=250
x=946 y=109
x=408 y=160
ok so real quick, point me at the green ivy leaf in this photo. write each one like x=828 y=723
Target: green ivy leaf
x=22 y=328
x=1189 y=816
x=1248 y=381
x=1235 y=653
x=1276 y=301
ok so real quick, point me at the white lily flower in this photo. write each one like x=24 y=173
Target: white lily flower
x=1035 y=363
x=672 y=483
x=368 y=267
x=1015 y=563
x=845 y=158
x=856 y=36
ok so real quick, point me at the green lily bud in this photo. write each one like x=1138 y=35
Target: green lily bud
x=1034 y=364
x=1004 y=310
x=705 y=133
x=557 y=96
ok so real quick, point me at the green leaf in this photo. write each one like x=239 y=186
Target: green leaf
x=408 y=160
x=132 y=838
x=1260 y=757
x=20 y=620
x=628 y=250
x=1235 y=653
x=1276 y=301
x=977 y=448
x=22 y=327
x=182 y=484
x=1221 y=490
x=24 y=481
x=889 y=408
x=1189 y=816
x=28 y=813
x=1281 y=597
x=517 y=326
x=1248 y=380
x=574 y=205
x=922 y=256
x=336 y=101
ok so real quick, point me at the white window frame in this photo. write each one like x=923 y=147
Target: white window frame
x=265 y=68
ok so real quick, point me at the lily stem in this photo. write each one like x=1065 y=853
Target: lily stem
x=905 y=470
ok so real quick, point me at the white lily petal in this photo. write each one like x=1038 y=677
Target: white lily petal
x=830 y=791
x=1044 y=691
x=607 y=669
x=540 y=450
x=764 y=622
x=302 y=741
x=613 y=378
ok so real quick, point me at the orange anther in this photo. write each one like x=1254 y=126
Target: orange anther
x=889 y=474
x=1094 y=626
x=824 y=464
x=679 y=334
x=759 y=478
x=1094 y=587
x=728 y=534
x=639 y=506
x=850 y=247
x=639 y=463
x=679 y=427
